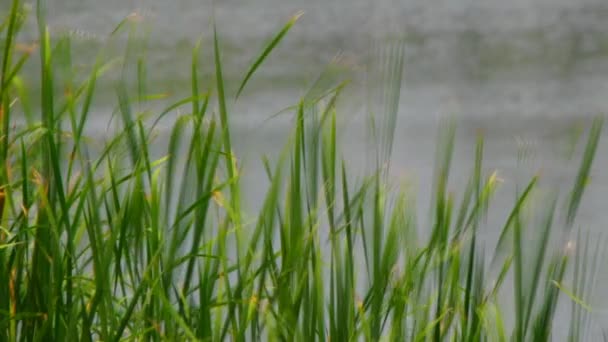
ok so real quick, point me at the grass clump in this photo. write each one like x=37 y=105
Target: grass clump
x=104 y=242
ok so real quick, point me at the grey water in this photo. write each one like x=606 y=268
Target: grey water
x=528 y=73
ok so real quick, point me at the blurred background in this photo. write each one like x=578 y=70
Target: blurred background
x=529 y=74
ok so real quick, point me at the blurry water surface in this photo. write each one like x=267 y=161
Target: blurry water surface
x=529 y=73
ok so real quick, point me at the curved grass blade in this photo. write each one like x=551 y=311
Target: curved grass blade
x=514 y=212
x=275 y=41
x=572 y=296
x=583 y=173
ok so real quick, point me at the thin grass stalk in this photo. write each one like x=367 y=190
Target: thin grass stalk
x=470 y=314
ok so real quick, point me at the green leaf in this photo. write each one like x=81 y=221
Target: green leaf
x=273 y=43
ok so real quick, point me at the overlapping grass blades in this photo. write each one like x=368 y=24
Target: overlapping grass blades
x=101 y=240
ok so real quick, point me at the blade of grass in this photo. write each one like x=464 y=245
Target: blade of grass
x=267 y=50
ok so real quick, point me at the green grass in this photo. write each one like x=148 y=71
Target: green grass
x=103 y=242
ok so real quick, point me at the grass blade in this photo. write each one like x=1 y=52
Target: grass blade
x=267 y=50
